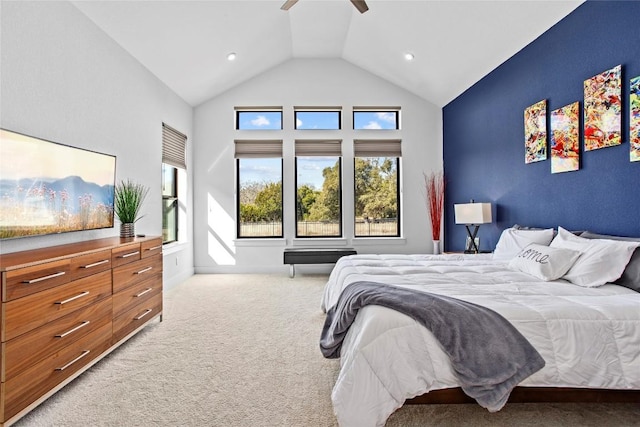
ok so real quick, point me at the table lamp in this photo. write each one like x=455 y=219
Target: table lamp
x=472 y=215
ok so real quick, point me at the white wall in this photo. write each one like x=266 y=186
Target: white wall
x=306 y=82
x=65 y=80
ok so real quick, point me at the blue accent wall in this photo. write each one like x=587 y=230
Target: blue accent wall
x=484 y=133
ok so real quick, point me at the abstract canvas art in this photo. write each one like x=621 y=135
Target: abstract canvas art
x=602 y=110
x=535 y=132
x=634 y=120
x=565 y=152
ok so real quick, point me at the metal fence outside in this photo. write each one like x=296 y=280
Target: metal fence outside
x=382 y=227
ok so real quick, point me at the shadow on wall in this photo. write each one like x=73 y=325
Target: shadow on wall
x=220 y=234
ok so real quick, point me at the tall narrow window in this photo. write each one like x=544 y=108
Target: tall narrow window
x=169 y=203
x=376 y=118
x=259 y=188
x=377 y=195
x=173 y=158
x=318 y=188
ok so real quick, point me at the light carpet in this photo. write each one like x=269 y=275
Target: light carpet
x=242 y=350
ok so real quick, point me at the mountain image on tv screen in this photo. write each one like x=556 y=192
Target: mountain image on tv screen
x=48 y=188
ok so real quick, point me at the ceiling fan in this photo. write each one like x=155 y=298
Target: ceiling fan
x=361 y=5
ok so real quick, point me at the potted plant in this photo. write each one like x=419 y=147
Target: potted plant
x=434 y=184
x=126 y=205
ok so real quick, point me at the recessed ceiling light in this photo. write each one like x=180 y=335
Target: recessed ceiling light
x=409 y=56
x=231 y=56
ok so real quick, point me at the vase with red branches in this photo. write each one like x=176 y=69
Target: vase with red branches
x=434 y=183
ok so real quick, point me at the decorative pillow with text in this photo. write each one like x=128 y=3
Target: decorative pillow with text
x=544 y=262
x=512 y=241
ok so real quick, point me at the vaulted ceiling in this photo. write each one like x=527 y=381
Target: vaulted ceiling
x=454 y=43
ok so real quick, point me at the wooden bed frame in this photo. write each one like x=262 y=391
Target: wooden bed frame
x=533 y=395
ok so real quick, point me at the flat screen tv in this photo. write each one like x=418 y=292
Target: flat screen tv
x=48 y=188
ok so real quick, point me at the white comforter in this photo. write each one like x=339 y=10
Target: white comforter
x=589 y=337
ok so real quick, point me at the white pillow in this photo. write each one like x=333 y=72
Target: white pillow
x=512 y=241
x=544 y=262
x=602 y=260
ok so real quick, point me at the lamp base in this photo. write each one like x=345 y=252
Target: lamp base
x=473 y=249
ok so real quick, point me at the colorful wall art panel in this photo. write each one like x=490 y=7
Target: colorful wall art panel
x=602 y=110
x=535 y=132
x=634 y=107
x=565 y=150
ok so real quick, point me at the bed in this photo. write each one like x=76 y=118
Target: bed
x=587 y=333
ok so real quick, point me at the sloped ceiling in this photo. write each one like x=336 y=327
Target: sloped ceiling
x=455 y=43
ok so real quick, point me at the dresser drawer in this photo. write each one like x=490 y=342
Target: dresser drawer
x=125 y=254
x=25 y=314
x=136 y=294
x=86 y=265
x=21 y=390
x=129 y=274
x=27 y=349
x=137 y=316
x=151 y=247
x=29 y=280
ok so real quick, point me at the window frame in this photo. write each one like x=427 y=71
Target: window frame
x=173 y=198
x=340 y=217
x=238 y=213
x=336 y=110
x=257 y=110
x=373 y=110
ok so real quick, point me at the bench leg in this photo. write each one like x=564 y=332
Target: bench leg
x=292 y=271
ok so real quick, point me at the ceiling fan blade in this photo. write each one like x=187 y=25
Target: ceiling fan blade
x=361 y=5
x=287 y=4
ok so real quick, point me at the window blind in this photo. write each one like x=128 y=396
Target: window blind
x=174 y=145
x=318 y=147
x=377 y=148
x=258 y=148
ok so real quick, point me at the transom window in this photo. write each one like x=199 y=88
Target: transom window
x=259 y=119
x=321 y=119
x=376 y=119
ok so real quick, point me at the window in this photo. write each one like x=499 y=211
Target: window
x=169 y=203
x=317 y=118
x=266 y=118
x=376 y=118
x=259 y=188
x=318 y=188
x=377 y=188
x=173 y=159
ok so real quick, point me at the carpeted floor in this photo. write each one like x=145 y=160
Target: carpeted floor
x=242 y=350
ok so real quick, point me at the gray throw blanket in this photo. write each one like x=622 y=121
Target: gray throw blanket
x=489 y=356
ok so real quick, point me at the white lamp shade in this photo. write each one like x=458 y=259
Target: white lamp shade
x=472 y=213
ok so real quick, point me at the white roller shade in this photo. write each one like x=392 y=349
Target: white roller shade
x=377 y=148
x=318 y=147
x=258 y=148
x=174 y=145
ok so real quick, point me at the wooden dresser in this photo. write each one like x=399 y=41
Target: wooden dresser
x=66 y=307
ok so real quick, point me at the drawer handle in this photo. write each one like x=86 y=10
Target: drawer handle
x=70 y=331
x=84 y=353
x=40 y=279
x=144 y=270
x=128 y=255
x=144 y=292
x=83 y=294
x=147 y=311
x=154 y=248
x=95 y=264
